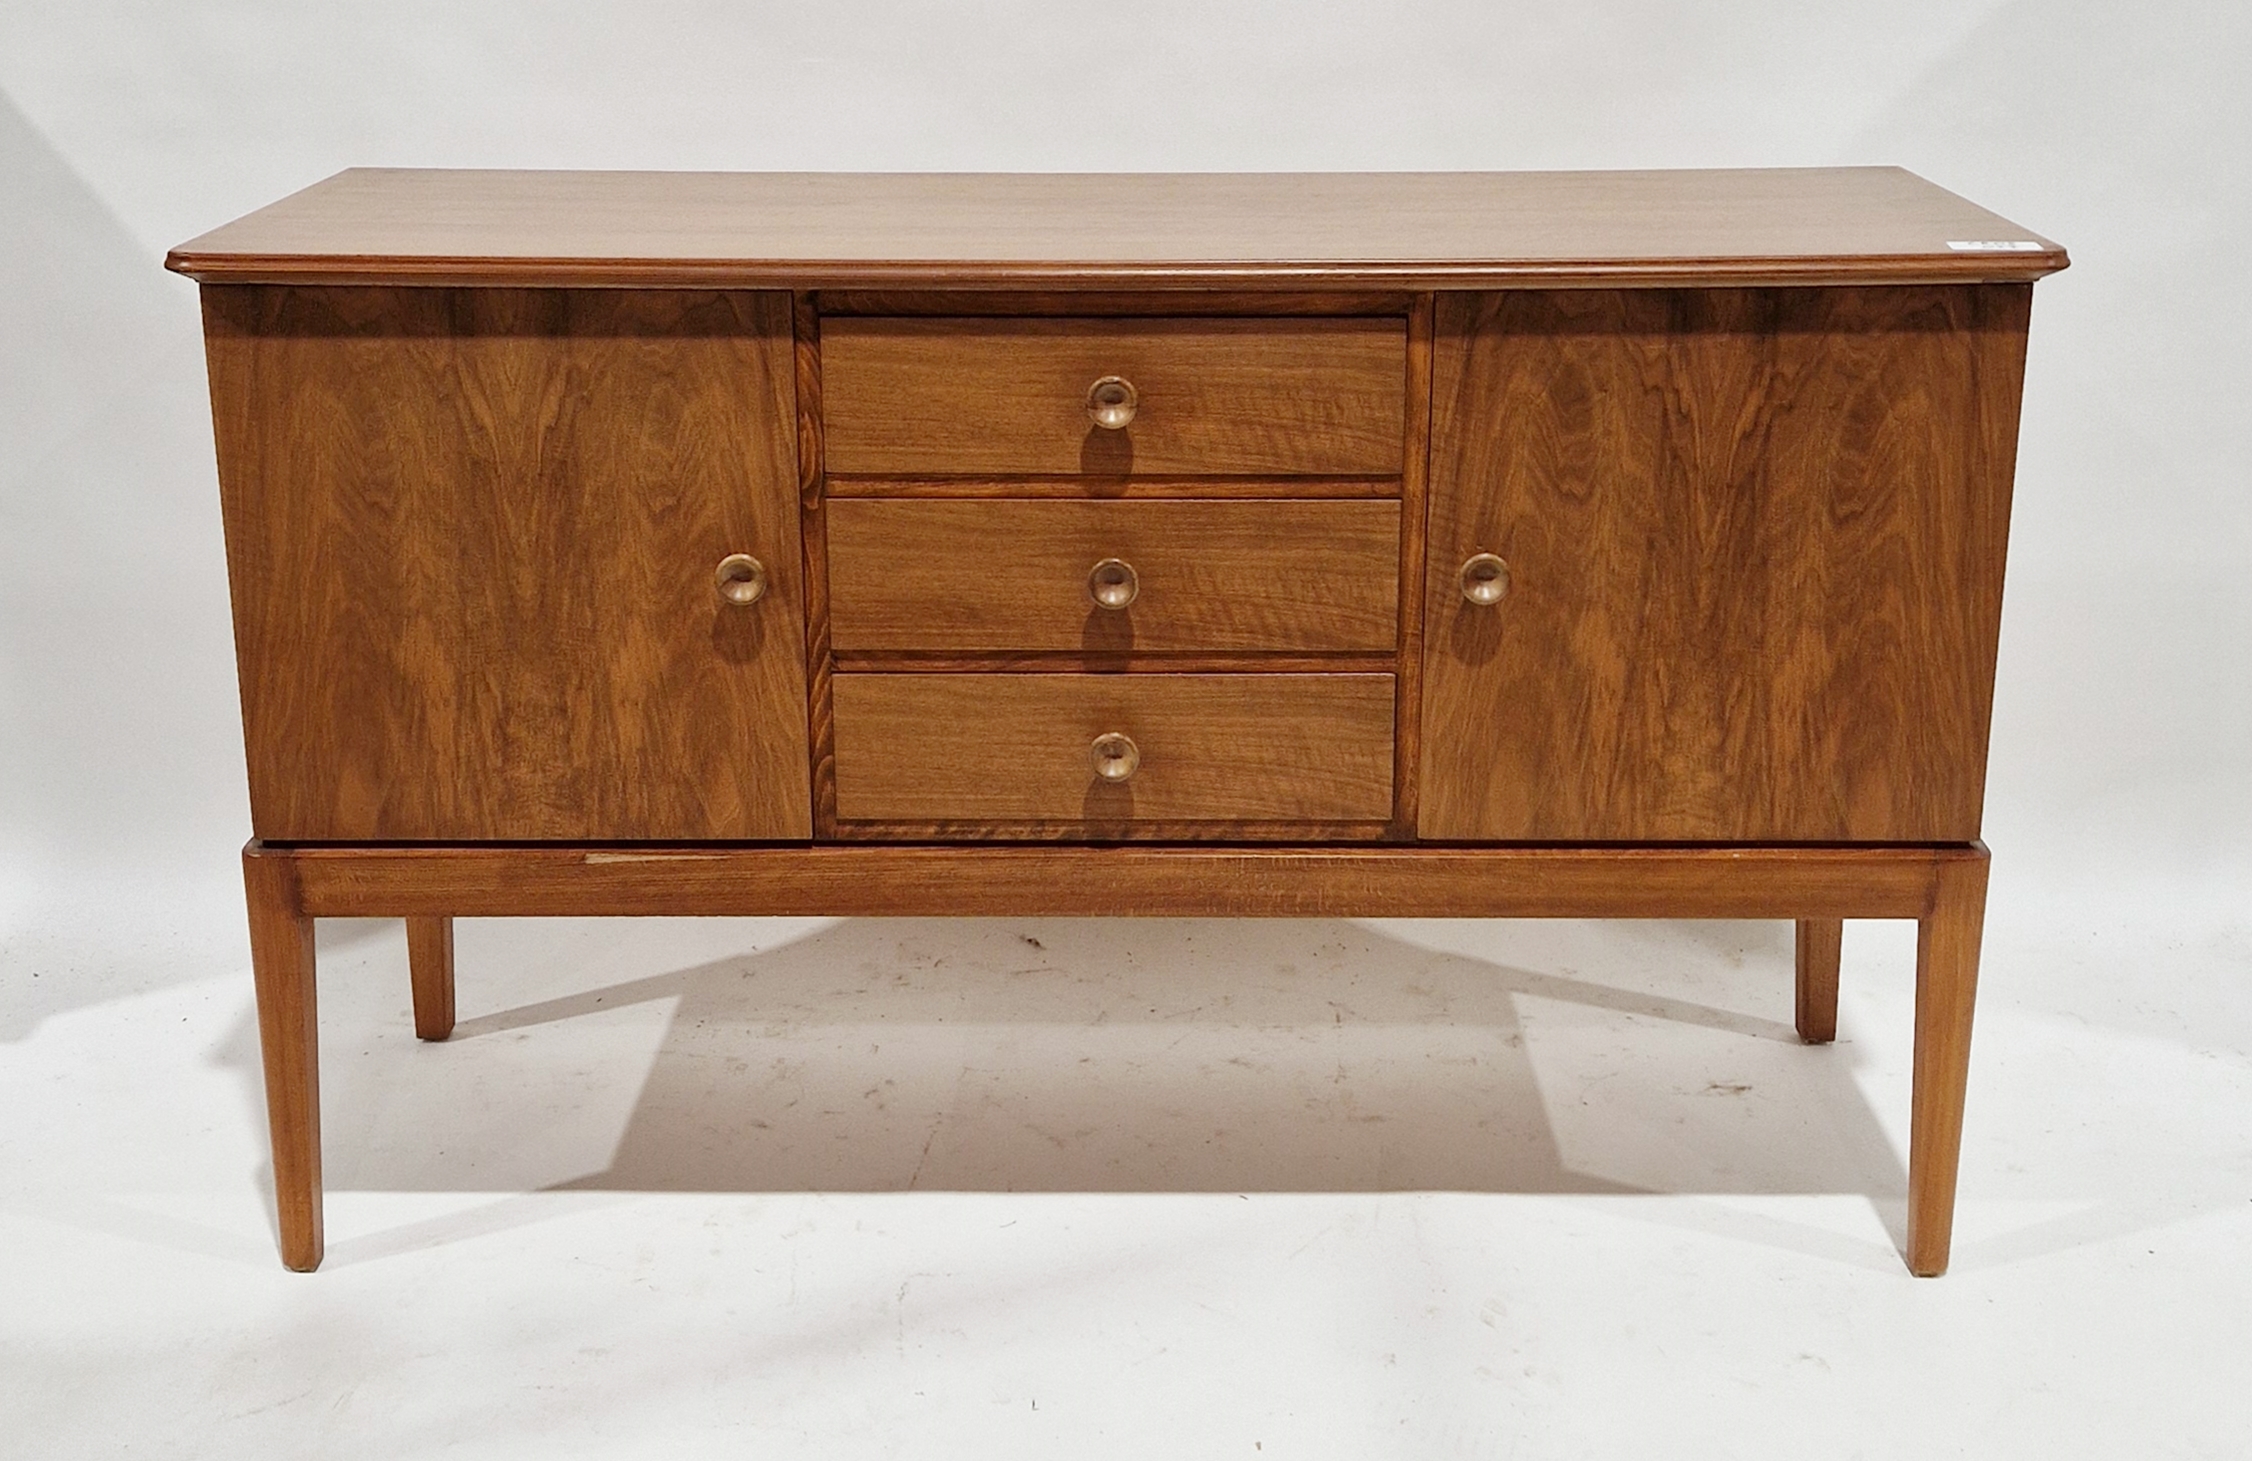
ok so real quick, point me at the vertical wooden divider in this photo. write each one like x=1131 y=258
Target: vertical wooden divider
x=805 y=318
x=1415 y=473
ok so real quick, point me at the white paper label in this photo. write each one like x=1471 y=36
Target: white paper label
x=1994 y=245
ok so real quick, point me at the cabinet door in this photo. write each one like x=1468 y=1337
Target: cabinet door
x=473 y=536
x=1754 y=541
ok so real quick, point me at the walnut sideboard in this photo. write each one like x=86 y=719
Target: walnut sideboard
x=1346 y=545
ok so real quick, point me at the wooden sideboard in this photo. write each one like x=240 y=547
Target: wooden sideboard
x=1343 y=545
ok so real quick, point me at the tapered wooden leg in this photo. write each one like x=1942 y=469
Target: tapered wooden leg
x=1818 y=943
x=430 y=967
x=281 y=962
x=1947 y=940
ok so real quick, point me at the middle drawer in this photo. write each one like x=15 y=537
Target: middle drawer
x=1142 y=575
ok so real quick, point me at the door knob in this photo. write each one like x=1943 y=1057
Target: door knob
x=740 y=579
x=1484 y=580
x=1112 y=583
x=1110 y=402
x=1115 y=756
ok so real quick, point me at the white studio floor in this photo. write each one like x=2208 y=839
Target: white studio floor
x=1051 y=1188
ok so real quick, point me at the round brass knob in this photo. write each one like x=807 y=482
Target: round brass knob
x=1115 y=756
x=1112 y=584
x=1110 y=402
x=740 y=579
x=1484 y=579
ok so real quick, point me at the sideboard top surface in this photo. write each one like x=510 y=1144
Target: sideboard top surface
x=1025 y=230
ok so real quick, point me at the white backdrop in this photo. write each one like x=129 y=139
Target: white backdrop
x=2106 y=1169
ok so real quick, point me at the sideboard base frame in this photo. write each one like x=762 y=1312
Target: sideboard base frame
x=1941 y=886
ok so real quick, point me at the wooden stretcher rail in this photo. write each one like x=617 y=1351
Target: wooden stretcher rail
x=1129 y=881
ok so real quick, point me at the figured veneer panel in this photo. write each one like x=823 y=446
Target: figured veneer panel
x=1756 y=540
x=1213 y=748
x=966 y=396
x=1012 y=575
x=471 y=536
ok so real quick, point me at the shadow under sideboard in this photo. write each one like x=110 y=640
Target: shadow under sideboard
x=1099 y=1055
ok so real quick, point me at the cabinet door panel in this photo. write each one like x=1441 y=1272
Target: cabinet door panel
x=472 y=537
x=1755 y=541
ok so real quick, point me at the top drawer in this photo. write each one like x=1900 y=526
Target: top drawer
x=967 y=397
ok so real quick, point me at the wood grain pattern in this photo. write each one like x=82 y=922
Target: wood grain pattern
x=1080 y=488
x=813 y=522
x=471 y=538
x=1127 y=881
x=1819 y=941
x=1016 y=748
x=1111 y=832
x=430 y=970
x=1118 y=231
x=1110 y=662
x=1407 y=711
x=1094 y=302
x=1012 y=575
x=281 y=963
x=1947 y=941
x=975 y=395
x=1757 y=543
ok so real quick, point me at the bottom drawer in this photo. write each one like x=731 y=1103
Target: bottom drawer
x=1178 y=748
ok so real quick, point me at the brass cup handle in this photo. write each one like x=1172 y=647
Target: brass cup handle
x=1112 y=584
x=1484 y=580
x=740 y=579
x=1115 y=755
x=1110 y=402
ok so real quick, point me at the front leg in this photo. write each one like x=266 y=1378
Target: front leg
x=281 y=962
x=1947 y=939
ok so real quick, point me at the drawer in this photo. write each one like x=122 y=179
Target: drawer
x=1003 y=748
x=1021 y=575
x=1319 y=397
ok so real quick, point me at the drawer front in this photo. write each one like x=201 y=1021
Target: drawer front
x=1008 y=748
x=1018 y=575
x=1319 y=397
